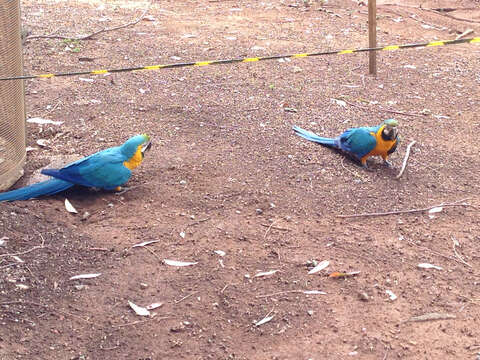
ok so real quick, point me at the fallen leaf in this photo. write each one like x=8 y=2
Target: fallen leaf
x=435 y=210
x=85 y=276
x=42 y=142
x=314 y=292
x=264 y=320
x=70 y=207
x=391 y=295
x=145 y=243
x=337 y=274
x=320 y=266
x=429 y=266
x=138 y=309
x=17 y=259
x=86 y=79
x=266 y=273
x=178 y=263
x=149 y=18
x=339 y=102
x=3 y=239
x=42 y=121
x=154 y=306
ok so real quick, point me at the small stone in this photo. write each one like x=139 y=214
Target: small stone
x=143 y=286
x=310 y=312
x=259 y=211
x=80 y=287
x=183 y=182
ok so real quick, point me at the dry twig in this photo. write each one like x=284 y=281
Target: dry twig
x=279 y=293
x=405 y=160
x=141 y=321
x=98 y=249
x=395 y=212
x=153 y=253
x=448 y=257
x=185 y=297
x=198 y=222
x=23 y=252
x=465 y=33
x=384 y=110
x=266 y=232
x=455 y=243
x=431 y=317
x=276 y=227
x=46 y=307
x=451 y=16
x=89 y=36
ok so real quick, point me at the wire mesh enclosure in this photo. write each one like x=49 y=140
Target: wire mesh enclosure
x=12 y=104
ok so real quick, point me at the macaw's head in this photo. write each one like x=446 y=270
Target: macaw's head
x=134 y=150
x=390 y=130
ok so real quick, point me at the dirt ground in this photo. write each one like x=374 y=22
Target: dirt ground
x=227 y=173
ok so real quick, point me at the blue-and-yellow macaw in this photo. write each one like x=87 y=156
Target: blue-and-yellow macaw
x=360 y=143
x=107 y=169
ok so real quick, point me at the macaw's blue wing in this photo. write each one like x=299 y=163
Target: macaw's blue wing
x=358 y=141
x=104 y=170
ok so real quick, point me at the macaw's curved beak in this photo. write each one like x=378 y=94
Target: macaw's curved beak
x=146 y=147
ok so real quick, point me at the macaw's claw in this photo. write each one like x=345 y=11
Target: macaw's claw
x=365 y=167
x=388 y=164
x=119 y=190
x=124 y=189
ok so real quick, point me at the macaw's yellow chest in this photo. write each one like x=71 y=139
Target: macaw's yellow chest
x=383 y=146
x=135 y=160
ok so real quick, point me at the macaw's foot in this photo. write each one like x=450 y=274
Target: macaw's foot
x=124 y=189
x=119 y=190
x=388 y=163
x=365 y=166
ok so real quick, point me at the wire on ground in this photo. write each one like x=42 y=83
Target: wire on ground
x=245 y=60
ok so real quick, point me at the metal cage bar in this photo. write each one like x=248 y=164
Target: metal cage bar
x=12 y=96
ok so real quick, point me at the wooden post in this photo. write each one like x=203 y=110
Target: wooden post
x=372 y=36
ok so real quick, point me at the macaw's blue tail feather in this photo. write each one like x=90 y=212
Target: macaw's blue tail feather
x=329 y=142
x=48 y=187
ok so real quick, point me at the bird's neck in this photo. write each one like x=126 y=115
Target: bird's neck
x=135 y=160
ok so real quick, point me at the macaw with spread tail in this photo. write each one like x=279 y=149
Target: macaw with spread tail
x=107 y=169
x=360 y=143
